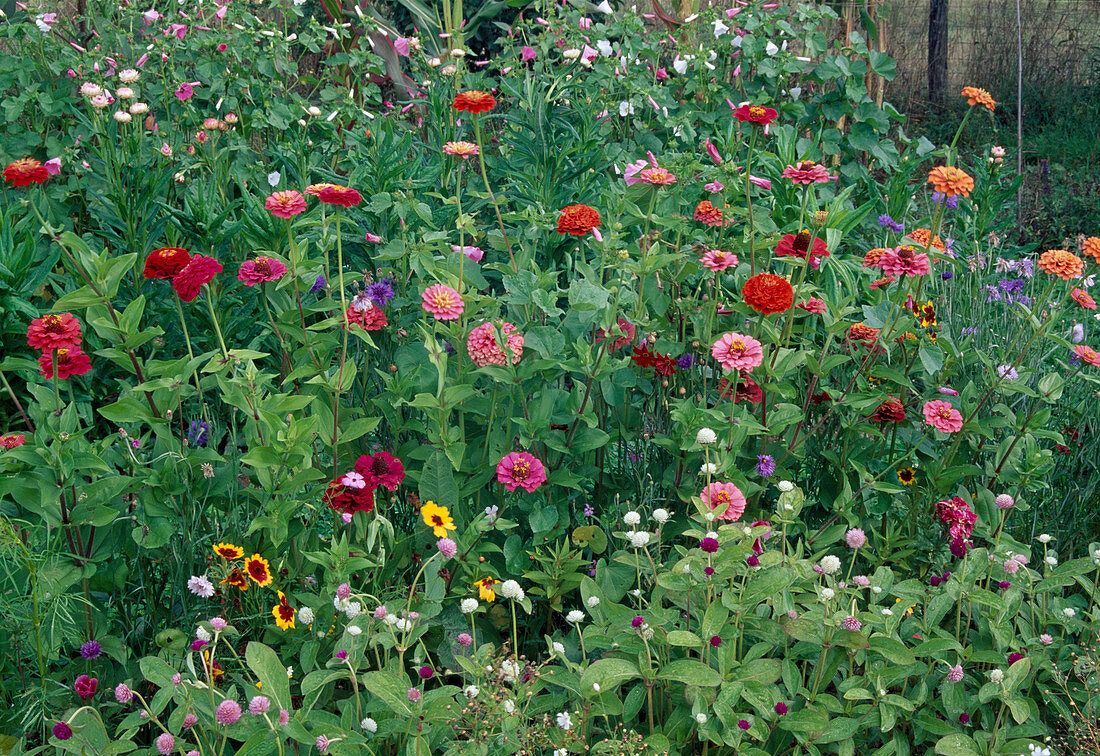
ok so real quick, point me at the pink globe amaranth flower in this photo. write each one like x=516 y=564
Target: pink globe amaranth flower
x=725 y=499
x=904 y=261
x=260 y=270
x=447 y=548
x=855 y=538
x=284 y=717
x=285 y=204
x=165 y=743
x=942 y=416
x=189 y=720
x=177 y=679
x=218 y=623
x=484 y=349
x=851 y=623
x=414 y=694
x=807 y=172
x=737 y=351
x=259 y=705
x=1046 y=639
x=861 y=580
x=1004 y=501
x=955 y=674
x=343 y=591
x=380 y=612
x=123 y=694
x=228 y=712
x=1011 y=566
x=716 y=260
x=814 y=305
x=521 y=470
x=443 y=302
x=465 y=640
x=322 y=744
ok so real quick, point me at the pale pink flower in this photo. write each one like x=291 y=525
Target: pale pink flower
x=401 y=45
x=737 y=351
x=816 y=305
x=942 y=416
x=473 y=253
x=716 y=260
x=528 y=53
x=484 y=350
x=855 y=538
x=443 y=302
x=464 y=150
x=228 y=712
x=53 y=166
x=372 y=238
x=955 y=674
x=725 y=499
x=632 y=170
x=184 y=92
x=763 y=183
x=521 y=470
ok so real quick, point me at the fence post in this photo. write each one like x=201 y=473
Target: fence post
x=937 y=50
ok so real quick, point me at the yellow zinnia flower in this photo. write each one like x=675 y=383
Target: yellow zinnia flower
x=437 y=518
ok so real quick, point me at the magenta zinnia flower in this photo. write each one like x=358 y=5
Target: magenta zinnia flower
x=736 y=351
x=443 y=302
x=942 y=416
x=260 y=270
x=521 y=470
x=484 y=350
x=716 y=260
x=285 y=204
x=189 y=281
x=725 y=499
x=382 y=469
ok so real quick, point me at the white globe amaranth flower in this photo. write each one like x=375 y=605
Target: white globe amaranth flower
x=510 y=589
x=202 y=633
x=391 y=619
x=353 y=609
x=593 y=601
x=1044 y=538
x=706 y=437
x=355 y=630
x=996 y=675
x=403 y=624
x=701 y=718
x=887 y=613
x=661 y=515
x=827 y=594
x=596 y=687
x=632 y=518
x=575 y=616
x=305 y=615
x=1070 y=612
x=785 y=486
x=647 y=633
x=709 y=517
x=639 y=539
x=830 y=564
x=1052 y=560
x=369 y=724
x=561 y=752
x=558 y=647
x=468 y=605
x=471 y=691
x=509 y=670
x=875 y=589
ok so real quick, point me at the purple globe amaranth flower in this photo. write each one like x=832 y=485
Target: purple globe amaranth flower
x=686 y=361
x=322 y=744
x=752 y=560
x=1014 y=657
x=964 y=718
x=218 y=623
x=465 y=639
x=447 y=548
x=426 y=673
x=851 y=623
x=343 y=591
x=1046 y=639
x=259 y=705
x=716 y=641
x=709 y=545
x=1004 y=585
x=228 y=712
x=781 y=708
x=62 y=731
x=91 y=650
x=341 y=654
x=123 y=694
x=743 y=724
x=380 y=612
x=1004 y=501
x=165 y=743
x=637 y=622
x=708 y=570
x=955 y=674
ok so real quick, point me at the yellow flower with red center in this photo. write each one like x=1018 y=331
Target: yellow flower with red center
x=485 y=588
x=258 y=569
x=236 y=578
x=907 y=475
x=228 y=551
x=437 y=518
x=283 y=613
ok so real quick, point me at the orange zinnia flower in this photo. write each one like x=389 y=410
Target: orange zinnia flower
x=949 y=181
x=236 y=578
x=474 y=101
x=1091 y=247
x=228 y=551
x=708 y=214
x=921 y=236
x=258 y=569
x=870 y=260
x=1059 y=262
x=25 y=171
x=975 y=96
x=283 y=613
x=578 y=220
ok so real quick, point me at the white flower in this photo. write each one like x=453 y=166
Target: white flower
x=661 y=515
x=876 y=589
x=701 y=718
x=571 y=54
x=637 y=592
x=509 y=670
x=561 y=752
x=564 y=721
x=274 y=178
x=575 y=616
x=402 y=624
x=128 y=76
x=471 y=691
x=139 y=108
x=290 y=671
x=202 y=633
x=509 y=706
x=604 y=7
x=708 y=468
x=558 y=647
x=1044 y=538
x=352 y=610
x=709 y=517
x=355 y=630
x=369 y=724
x=1052 y=561
x=706 y=437
x=593 y=601
x=687 y=569
x=647 y=633
x=305 y=615
x=625 y=109
x=391 y=619
x=122 y=116
x=125 y=93
x=771 y=48
x=785 y=486
x=313 y=110
x=468 y=605
x=827 y=594
x=720 y=28
x=632 y=518
x=639 y=539
x=1070 y=612
x=712 y=534
x=830 y=564
x=887 y=613
x=796 y=91
x=680 y=66
x=1035 y=750
x=604 y=46
x=996 y=675
x=510 y=589
x=596 y=687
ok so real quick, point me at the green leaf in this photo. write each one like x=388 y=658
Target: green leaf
x=265 y=664
x=957 y=744
x=393 y=691
x=690 y=672
x=894 y=650
x=684 y=638
x=607 y=673
x=437 y=482
x=931 y=357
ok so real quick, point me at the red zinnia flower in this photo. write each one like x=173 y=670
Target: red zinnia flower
x=768 y=293
x=757 y=114
x=12 y=440
x=69 y=362
x=474 y=101
x=339 y=195
x=890 y=411
x=25 y=171
x=59 y=331
x=347 y=499
x=798 y=245
x=381 y=469
x=628 y=330
x=189 y=281
x=166 y=262
x=748 y=390
x=578 y=220
x=370 y=319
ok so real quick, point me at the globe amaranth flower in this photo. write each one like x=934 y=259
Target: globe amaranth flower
x=62 y=731
x=709 y=545
x=942 y=416
x=70 y=362
x=123 y=694
x=55 y=331
x=950 y=180
x=24 y=172
x=852 y=623
x=855 y=538
x=198 y=271
x=474 y=101
x=285 y=204
x=228 y=712
x=447 y=548
x=381 y=469
x=521 y=470
x=442 y=302
x=768 y=293
x=725 y=500
x=260 y=270
x=737 y=351
x=578 y=220
x=484 y=349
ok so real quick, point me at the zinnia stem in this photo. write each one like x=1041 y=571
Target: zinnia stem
x=214 y=317
x=489 y=189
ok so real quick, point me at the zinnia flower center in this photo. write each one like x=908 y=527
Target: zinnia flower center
x=263 y=266
x=802 y=241
x=737 y=345
x=521 y=469
x=52 y=323
x=945 y=413
x=722 y=497
x=757 y=112
x=379 y=466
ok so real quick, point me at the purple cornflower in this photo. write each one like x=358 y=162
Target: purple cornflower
x=198 y=433
x=1007 y=372
x=952 y=201
x=381 y=292
x=686 y=361
x=91 y=650
x=992 y=294
x=317 y=285
x=886 y=221
x=765 y=465
x=947 y=275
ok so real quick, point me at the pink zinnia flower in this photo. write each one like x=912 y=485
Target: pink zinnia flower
x=807 y=172
x=464 y=150
x=520 y=469
x=816 y=305
x=736 y=351
x=630 y=175
x=657 y=176
x=904 y=261
x=260 y=270
x=484 y=350
x=443 y=302
x=725 y=499
x=716 y=260
x=942 y=416
x=285 y=204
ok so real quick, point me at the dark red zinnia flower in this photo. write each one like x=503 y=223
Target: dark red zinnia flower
x=890 y=411
x=343 y=196
x=758 y=114
x=70 y=362
x=381 y=469
x=768 y=293
x=348 y=499
x=189 y=281
x=166 y=262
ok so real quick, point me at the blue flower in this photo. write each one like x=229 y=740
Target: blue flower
x=198 y=433
x=765 y=465
x=381 y=292
x=317 y=285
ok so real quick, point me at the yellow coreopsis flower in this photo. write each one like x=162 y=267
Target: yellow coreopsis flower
x=437 y=518
x=485 y=588
x=283 y=613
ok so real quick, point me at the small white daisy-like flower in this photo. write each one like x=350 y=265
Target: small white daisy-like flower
x=564 y=721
